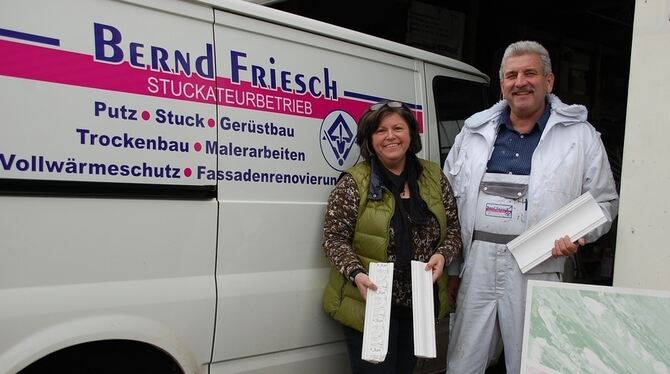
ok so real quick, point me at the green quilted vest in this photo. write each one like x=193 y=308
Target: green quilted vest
x=341 y=298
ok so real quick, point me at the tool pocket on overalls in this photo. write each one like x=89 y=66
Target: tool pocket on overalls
x=507 y=190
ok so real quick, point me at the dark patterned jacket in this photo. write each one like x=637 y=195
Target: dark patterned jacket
x=342 y=214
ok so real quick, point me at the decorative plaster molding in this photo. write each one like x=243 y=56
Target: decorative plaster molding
x=423 y=309
x=378 y=313
x=575 y=219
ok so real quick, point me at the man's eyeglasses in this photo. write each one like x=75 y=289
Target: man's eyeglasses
x=390 y=104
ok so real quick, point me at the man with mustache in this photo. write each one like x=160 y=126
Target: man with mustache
x=511 y=166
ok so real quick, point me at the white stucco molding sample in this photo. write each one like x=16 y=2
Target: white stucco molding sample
x=423 y=309
x=575 y=219
x=377 y=313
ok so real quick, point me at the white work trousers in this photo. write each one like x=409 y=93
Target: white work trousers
x=490 y=305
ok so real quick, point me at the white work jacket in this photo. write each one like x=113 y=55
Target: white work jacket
x=569 y=160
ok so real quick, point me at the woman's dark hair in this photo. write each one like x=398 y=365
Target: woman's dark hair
x=371 y=119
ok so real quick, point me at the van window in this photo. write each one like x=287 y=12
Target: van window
x=455 y=100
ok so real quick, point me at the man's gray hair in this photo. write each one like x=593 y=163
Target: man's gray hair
x=525 y=47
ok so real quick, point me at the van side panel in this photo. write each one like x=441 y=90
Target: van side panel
x=291 y=101
x=79 y=107
x=88 y=93
x=77 y=270
x=164 y=171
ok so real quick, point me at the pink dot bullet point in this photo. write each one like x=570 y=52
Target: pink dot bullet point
x=211 y=122
x=187 y=172
x=197 y=146
x=146 y=115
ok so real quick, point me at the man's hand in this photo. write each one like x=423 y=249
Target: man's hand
x=363 y=282
x=565 y=247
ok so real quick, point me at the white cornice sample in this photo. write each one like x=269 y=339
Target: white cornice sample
x=423 y=309
x=378 y=313
x=575 y=219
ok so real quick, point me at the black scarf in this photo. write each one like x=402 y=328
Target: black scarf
x=408 y=212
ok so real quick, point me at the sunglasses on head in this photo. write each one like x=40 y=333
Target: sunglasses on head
x=390 y=104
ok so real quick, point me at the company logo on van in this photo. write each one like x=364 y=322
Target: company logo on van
x=338 y=140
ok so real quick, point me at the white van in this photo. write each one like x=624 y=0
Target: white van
x=164 y=167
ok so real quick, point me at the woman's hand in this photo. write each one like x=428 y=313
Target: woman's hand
x=436 y=265
x=363 y=282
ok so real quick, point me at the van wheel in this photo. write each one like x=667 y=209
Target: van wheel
x=106 y=357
